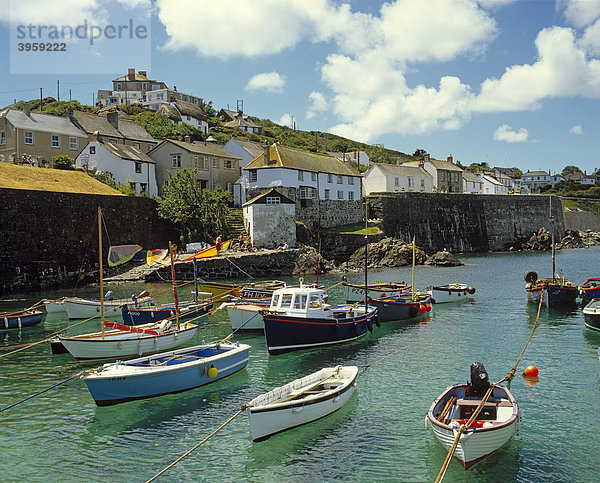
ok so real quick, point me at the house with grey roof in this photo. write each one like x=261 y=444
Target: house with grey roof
x=390 y=178
x=270 y=219
x=534 y=180
x=472 y=183
x=128 y=165
x=214 y=167
x=34 y=138
x=129 y=89
x=327 y=191
x=358 y=157
x=491 y=186
x=237 y=119
x=447 y=177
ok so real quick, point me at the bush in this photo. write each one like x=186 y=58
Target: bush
x=62 y=161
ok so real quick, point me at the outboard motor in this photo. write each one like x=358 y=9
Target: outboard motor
x=109 y=295
x=479 y=383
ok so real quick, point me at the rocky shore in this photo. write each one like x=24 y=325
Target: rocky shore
x=542 y=240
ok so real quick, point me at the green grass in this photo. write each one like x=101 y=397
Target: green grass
x=355 y=229
x=582 y=204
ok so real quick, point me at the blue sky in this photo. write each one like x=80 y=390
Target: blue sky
x=511 y=83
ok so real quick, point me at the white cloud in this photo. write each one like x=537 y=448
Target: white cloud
x=577 y=129
x=506 y=133
x=50 y=12
x=267 y=81
x=286 y=120
x=318 y=103
x=581 y=13
x=493 y=4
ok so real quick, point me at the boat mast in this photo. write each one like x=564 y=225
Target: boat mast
x=366 y=229
x=196 y=294
x=174 y=284
x=413 y=270
x=553 y=250
x=101 y=277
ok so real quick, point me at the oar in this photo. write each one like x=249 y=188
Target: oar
x=312 y=386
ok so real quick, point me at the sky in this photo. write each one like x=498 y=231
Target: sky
x=509 y=83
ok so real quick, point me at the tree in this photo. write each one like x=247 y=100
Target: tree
x=570 y=170
x=200 y=214
x=419 y=153
x=62 y=161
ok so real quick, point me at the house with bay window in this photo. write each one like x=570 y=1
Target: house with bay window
x=327 y=192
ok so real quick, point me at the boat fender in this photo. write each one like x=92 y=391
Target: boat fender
x=370 y=325
x=531 y=277
x=471 y=290
x=109 y=295
x=164 y=325
x=377 y=323
x=428 y=307
x=213 y=372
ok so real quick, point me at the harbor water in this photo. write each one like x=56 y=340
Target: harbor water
x=379 y=435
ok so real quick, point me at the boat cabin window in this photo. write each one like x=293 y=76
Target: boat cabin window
x=315 y=301
x=275 y=301
x=286 y=300
x=300 y=302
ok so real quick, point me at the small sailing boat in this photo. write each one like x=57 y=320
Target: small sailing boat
x=301 y=401
x=556 y=290
x=20 y=319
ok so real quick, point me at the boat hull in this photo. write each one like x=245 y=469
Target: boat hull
x=270 y=419
x=554 y=294
x=78 y=308
x=286 y=333
x=18 y=320
x=398 y=309
x=119 y=345
x=590 y=289
x=149 y=315
x=450 y=293
x=246 y=317
x=143 y=378
x=356 y=293
x=591 y=314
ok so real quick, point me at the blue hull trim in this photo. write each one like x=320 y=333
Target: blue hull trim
x=23 y=319
x=284 y=333
x=553 y=296
x=149 y=315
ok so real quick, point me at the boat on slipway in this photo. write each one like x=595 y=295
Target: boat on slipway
x=591 y=314
x=165 y=373
x=20 y=319
x=301 y=401
x=497 y=421
x=452 y=292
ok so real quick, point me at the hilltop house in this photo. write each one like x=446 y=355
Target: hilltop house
x=534 y=180
x=114 y=127
x=33 y=138
x=270 y=219
x=386 y=178
x=447 y=177
x=237 y=119
x=128 y=165
x=472 y=183
x=327 y=191
x=129 y=89
x=214 y=166
x=177 y=106
x=358 y=157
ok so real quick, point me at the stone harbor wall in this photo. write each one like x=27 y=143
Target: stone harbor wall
x=46 y=238
x=580 y=220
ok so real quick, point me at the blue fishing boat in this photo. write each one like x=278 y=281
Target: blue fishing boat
x=590 y=289
x=148 y=315
x=298 y=318
x=17 y=320
x=165 y=373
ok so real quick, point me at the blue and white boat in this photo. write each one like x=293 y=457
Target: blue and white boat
x=19 y=319
x=299 y=318
x=590 y=289
x=165 y=373
x=149 y=315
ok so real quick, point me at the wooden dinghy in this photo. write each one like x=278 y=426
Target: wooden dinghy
x=497 y=421
x=301 y=401
x=19 y=319
x=165 y=373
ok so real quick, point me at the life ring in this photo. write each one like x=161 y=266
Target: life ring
x=531 y=277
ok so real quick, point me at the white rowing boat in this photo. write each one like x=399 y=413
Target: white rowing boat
x=301 y=401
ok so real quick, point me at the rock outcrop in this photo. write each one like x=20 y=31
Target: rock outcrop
x=388 y=252
x=443 y=259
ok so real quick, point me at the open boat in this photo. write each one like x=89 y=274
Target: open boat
x=591 y=314
x=19 y=319
x=497 y=421
x=299 y=318
x=301 y=401
x=147 y=315
x=452 y=292
x=165 y=373
x=80 y=308
x=356 y=293
x=590 y=289
x=401 y=307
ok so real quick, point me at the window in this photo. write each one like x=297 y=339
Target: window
x=396 y=181
x=228 y=164
x=119 y=86
x=28 y=137
x=143 y=187
x=300 y=302
x=132 y=186
x=330 y=178
x=351 y=195
x=442 y=175
x=204 y=163
x=165 y=183
x=326 y=194
x=138 y=167
x=73 y=143
x=350 y=180
x=411 y=181
x=340 y=195
x=136 y=145
x=215 y=163
x=306 y=193
x=300 y=176
x=92 y=149
x=273 y=200
x=2 y=137
x=422 y=183
x=150 y=146
x=314 y=301
x=176 y=160
x=55 y=140
x=253 y=175
x=144 y=86
x=340 y=180
x=286 y=300
x=313 y=176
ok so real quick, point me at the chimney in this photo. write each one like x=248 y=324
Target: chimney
x=422 y=164
x=113 y=119
x=142 y=72
x=188 y=139
x=450 y=159
x=130 y=74
x=175 y=88
x=27 y=109
x=425 y=158
x=267 y=155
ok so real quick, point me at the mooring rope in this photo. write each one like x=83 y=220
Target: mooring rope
x=197 y=445
x=240 y=269
x=467 y=425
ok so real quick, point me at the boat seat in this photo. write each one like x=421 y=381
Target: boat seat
x=475 y=403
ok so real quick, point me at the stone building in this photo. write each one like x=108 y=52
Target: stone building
x=269 y=219
x=447 y=177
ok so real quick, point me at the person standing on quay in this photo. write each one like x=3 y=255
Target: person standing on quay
x=218 y=244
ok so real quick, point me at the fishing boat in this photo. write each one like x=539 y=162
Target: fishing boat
x=80 y=308
x=146 y=315
x=261 y=290
x=356 y=293
x=52 y=306
x=299 y=318
x=591 y=314
x=452 y=292
x=554 y=291
x=165 y=373
x=590 y=289
x=401 y=307
x=495 y=424
x=218 y=290
x=20 y=319
x=301 y=401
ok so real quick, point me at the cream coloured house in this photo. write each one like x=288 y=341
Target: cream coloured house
x=389 y=178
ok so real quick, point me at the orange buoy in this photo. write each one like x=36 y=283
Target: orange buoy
x=428 y=308
x=531 y=371
x=422 y=309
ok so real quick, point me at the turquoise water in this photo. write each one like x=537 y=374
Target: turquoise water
x=378 y=435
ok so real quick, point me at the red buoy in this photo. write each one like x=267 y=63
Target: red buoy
x=531 y=371
x=422 y=309
x=428 y=308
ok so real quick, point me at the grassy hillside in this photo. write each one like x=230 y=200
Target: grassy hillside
x=40 y=179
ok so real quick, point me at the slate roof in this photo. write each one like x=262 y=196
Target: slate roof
x=138 y=77
x=127 y=129
x=241 y=122
x=127 y=152
x=271 y=192
x=536 y=173
x=491 y=179
x=445 y=165
x=400 y=170
x=468 y=176
x=198 y=148
x=42 y=122
x=253 y=147
x=286 y=157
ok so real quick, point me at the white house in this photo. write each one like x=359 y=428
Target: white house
x=359 y=157
x=491 y=186
x=386 y=178
x=128 y=165
x=447 y=176
x=534 y=180
x=269 y=219
x=471 y=183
